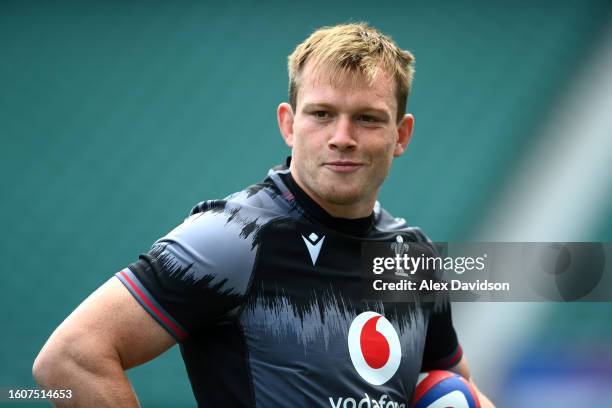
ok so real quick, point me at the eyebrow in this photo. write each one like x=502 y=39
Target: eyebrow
x=364 y=109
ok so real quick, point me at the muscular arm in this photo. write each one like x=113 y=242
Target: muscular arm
x=88 y=353
x=462 y=368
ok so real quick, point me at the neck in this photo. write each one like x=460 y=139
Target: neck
x=360 y=209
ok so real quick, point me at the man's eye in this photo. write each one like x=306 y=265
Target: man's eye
x=321 y=114
x=367 y=118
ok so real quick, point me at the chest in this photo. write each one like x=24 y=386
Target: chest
x=306 y=325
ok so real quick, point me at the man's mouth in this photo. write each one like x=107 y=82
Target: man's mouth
x=343 y=166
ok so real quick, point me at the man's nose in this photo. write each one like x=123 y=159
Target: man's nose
x=344 y=135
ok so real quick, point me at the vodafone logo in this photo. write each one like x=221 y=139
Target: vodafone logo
x=374 y=347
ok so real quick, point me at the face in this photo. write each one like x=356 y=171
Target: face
x=344 y=137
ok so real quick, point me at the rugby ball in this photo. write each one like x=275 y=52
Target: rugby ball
x=444 y=389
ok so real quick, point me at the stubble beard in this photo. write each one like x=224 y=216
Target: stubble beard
x=337 y=192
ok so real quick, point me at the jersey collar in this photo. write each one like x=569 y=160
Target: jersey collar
x=356 y=226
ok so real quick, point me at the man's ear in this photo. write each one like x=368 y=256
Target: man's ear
x=404 y=131
x=284 y=116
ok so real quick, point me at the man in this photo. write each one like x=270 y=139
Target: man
x=262 y=289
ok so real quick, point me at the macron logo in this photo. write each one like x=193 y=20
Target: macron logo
x=313 y=243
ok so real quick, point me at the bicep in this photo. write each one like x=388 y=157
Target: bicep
x=112 y=323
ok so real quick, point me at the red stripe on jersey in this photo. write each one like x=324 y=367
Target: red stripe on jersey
x=180 y=333
x=455 y=358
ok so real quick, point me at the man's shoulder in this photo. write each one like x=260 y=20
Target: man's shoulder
x=261 y=199
x=218 y=242
x=385 y=222
x=234 y=219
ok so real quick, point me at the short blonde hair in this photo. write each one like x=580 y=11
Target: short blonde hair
x=351 y=50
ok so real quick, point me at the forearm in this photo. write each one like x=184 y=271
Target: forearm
x=463 y=369
x=109 y=387
x=94 y=379
x=485 y=402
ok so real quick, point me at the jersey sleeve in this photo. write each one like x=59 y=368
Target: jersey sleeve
x=195 y=276
x=442 y=349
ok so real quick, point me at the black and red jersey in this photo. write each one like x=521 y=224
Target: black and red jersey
x=263 y=292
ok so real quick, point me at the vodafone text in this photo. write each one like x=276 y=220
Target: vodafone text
x=365 y=402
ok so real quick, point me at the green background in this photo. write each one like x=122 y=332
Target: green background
x=117 y=117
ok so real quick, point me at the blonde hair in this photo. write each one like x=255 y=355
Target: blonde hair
x=352 y=50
